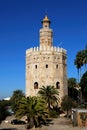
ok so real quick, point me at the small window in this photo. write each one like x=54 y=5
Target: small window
x=54 y=57
x=46 y=26
x=57 y=66
x=36 y=85
x=35 y=66
x=63 y=57
x=58 y=58
x=46 y=65
x=57 y=85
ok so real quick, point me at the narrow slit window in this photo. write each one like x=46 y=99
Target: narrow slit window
x=46 y=65
x=57 y=66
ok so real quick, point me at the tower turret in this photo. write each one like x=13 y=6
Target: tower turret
x=46 y=65
x=46 y=22
x=46 y=34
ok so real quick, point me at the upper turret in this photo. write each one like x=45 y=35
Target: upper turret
x=46 y=34
x=46 y=22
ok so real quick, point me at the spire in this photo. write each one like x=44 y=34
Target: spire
x=46 y=19
x=46 y=22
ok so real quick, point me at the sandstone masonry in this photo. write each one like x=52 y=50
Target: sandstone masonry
x=46 y=64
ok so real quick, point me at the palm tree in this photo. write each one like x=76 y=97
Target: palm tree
x=85 y=57
x=50 y=95
x=79 y=63
x=78 y=67
x=33 y=108
x=81 y=59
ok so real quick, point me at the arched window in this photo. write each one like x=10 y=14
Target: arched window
x=57 y=85
x=36 y=85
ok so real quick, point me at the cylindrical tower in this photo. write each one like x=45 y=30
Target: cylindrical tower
x=46 y=65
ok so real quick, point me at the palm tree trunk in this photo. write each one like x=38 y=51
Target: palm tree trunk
x=30 y=123
x=49 y=107
x=85 y=67
x=67 y=113
x=78 y=74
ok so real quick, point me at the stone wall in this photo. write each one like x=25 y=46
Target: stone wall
x=79 y=117
x=46 y=66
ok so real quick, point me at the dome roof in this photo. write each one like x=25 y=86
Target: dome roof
x=46 y=19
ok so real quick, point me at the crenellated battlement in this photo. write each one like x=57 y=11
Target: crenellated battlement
x=46 y=64
x=51 y=49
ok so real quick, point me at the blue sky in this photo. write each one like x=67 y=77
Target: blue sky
x=20 y=21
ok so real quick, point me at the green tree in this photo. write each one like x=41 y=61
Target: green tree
x=3 y=110
x=67 y=103
x=81 y=59
x=72 y=82
x=83 y=85
x=17 y=95
x=79 y=63
x=85 y=57
x=34 y=109
x=50 y=95
x=73 y=88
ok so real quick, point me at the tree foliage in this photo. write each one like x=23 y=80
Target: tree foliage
x=17 y=95
x=79 y=62
x=73 y=88
x=81 y=59
x=83 y=85
x=3 y=110
x=72 y=82
x=67 y=103
x=34 y=109
x=50 y=95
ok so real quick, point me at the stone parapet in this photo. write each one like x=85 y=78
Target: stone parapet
x=51 y=49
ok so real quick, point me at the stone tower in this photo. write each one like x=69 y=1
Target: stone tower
x=46 y=65
x=46 y=34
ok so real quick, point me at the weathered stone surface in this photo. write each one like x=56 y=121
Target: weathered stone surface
x=46 y=65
